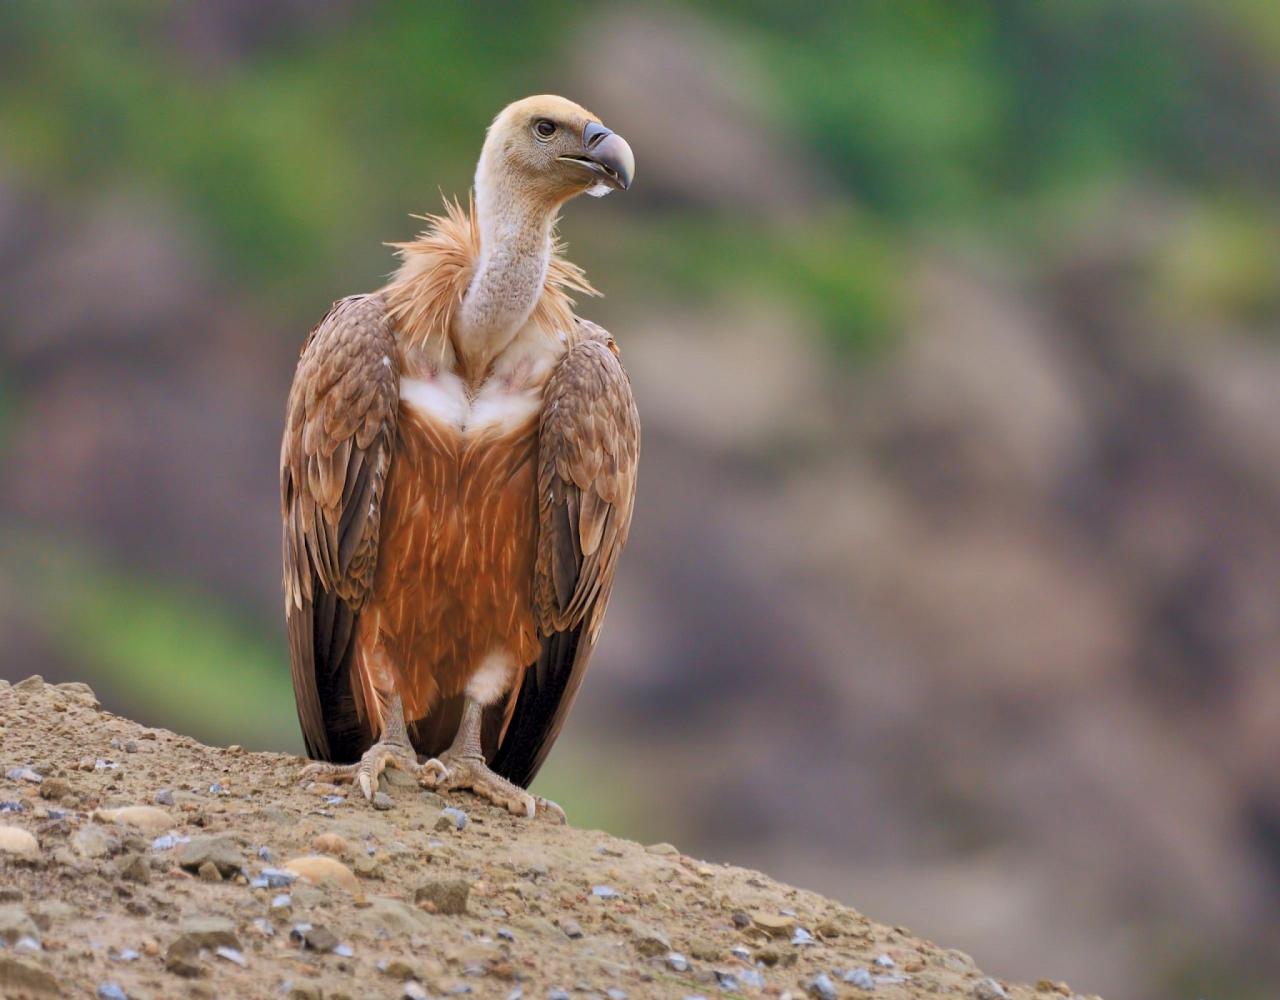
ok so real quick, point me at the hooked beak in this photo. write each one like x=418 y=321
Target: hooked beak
x=606 y=155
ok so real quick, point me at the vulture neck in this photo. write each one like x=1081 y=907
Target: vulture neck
x=515 y=251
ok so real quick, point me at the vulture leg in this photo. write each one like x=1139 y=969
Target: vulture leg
x=466 y=768
x=393 y=749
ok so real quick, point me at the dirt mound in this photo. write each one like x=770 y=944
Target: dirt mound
x=138 y=863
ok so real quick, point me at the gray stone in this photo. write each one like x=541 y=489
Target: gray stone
x=134 y=868
x=20 y=979
x=315 y=936
x=988 y=989
x=448 y=896
x=208 y=931
x=80 y=692
x=221 y=851
x=650 y=940
x=390 y=918
x=16 y=923
x=822 y=987
x=53 y=789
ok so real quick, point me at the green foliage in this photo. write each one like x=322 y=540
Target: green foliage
x=843 y=273
x=177 y=654
x=1222 y=260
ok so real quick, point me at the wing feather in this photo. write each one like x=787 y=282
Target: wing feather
x=337 y=448
x=588 y=450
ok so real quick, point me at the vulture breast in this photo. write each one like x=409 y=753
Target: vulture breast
x=452 y=601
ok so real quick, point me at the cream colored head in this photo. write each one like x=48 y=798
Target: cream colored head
x=544 y=150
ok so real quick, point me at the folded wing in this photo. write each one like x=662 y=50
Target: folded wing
x=338 y=443
x=588 y=449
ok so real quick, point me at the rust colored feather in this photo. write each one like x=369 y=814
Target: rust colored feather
x=436 y=269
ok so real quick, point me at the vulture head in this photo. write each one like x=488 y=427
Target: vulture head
x=548 y=149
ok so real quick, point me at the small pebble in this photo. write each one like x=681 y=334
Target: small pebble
x=382 y=801
x=11 y=807
x=801 y=937
x=504 y=933
x=23 y=774
x=277 y=878
x=613 y=993
x=604 y=892
x=860 y=978
x=281 y=901
x=111 y=991
x=456 y=816
x=264 y=853
x=413 y=991
x=233 y=955
x=752 y=978
x=126 y=955
x=727 y=981
x=264 y=926
x=15 y=840
x=27 y=943
x=571 y=929
x=677 y=962
x=884 y=961
x=216 y=788
x=334 y=800
x=822 y=987
x=738 y=951
x=559 y=995
x=344 y=950
x=164 y=797
x=988 y=989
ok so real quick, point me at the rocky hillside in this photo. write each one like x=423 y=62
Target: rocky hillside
x=135 y=862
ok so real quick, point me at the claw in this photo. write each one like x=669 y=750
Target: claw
x=473 y=774
x=550 y=809
x=366 y=772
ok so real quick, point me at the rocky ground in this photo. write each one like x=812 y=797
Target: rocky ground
x=135 y=862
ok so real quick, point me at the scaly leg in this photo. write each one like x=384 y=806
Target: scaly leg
x=465 y=768
x=393 y=749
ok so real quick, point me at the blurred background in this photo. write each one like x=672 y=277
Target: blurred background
x=952 y=587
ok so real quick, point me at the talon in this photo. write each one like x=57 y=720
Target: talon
x=551 y=810
x=368 y=769
x=433 y=774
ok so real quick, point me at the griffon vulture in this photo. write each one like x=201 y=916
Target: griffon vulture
x=457 y=477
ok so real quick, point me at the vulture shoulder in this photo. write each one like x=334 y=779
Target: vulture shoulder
x=588 y=450
x=340 y=430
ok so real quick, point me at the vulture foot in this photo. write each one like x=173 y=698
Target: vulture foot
x=365 y=773
x=465 y=771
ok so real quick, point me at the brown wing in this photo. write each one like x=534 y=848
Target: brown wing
x=338 y=437
x=588 y=447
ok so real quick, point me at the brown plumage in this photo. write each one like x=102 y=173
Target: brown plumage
x=457 y=479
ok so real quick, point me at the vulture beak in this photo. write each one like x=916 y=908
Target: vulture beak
x=606 y=155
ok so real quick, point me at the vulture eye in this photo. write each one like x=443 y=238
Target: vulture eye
x=544 y=129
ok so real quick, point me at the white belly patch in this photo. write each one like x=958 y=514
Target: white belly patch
x=496 y=406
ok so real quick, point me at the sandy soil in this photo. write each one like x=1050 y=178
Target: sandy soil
x=138 y=863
